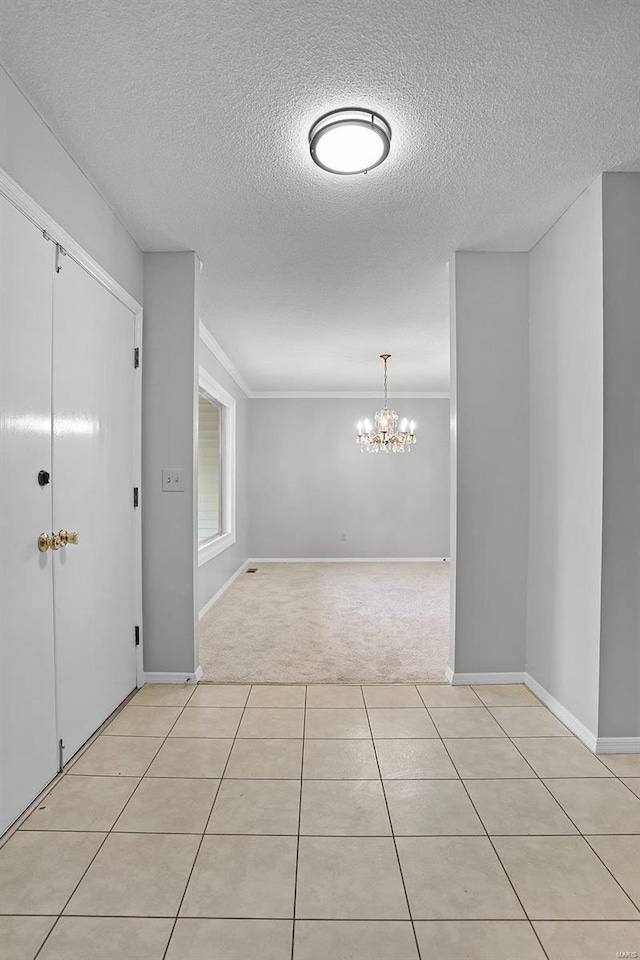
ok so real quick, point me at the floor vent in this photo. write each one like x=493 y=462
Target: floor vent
x=252 y=570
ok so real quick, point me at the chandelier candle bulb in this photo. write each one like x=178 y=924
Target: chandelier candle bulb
x=387 y=436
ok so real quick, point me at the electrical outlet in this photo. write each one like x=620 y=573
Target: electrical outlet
x=172 y=480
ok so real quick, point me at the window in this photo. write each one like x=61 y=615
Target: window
x=216 y=468
x=209 y=485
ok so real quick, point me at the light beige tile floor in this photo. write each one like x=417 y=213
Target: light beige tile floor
x=83 y=803
x=633 y=783
x=598 y=806
x=262 y=807
x=340 y=760
x=423 y=808
x=414 y=760
x=621 y=854
x=560 y=757
x=488 y=759
x=479 y=939
x=509 y=807
x=424 y=821
x=349 y=808
x=465 y=722
x=334 y=695
x=588 y=940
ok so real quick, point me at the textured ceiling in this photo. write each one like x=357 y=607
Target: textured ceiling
x=191 y=117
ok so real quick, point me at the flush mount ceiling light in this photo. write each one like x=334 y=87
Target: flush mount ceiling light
x=350 y=141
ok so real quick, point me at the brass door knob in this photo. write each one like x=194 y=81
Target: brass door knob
x=66 y=537
x=44 y=542
x=55 y=542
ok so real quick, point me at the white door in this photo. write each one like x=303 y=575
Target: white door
x=93 y=451
x=28 y=743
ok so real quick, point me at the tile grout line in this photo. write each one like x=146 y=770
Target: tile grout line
x=504 y=869
x=567 y=815
x=113 y=776
x=295 y=879
x=108 y=833
x=333 y=836
x=571 y=820
x=204 y=831
x=591 y=847
x=393 y=837
x=132 y=916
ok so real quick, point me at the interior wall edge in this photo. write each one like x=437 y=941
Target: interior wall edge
x=564 y=562
x=168 y=519
x=489 y=312
x=571 y=722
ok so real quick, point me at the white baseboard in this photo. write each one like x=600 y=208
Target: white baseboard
x=349 y=560
x=571 y=722
x=618 y=745
x=225 y=586
x=479 y=678
x=173 y=677
x=564 y=716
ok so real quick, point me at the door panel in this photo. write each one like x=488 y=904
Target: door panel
x=93 y=440
x=28 y=743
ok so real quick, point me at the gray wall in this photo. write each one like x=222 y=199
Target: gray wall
x=546 y=425
x=489 y=308
x=310 y=483
x=33 y=157
x=565 y=520
x=168 y=416
x=215 y=573
x=619 y=713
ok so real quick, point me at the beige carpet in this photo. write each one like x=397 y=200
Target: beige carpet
x=330 y=622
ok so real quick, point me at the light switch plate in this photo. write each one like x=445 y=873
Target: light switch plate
x=173 y=480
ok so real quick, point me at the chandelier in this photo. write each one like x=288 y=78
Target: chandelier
x=386 y=436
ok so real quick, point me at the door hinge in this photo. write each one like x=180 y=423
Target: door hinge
x=60 y=749
x=136 y=357
x=135 y=496
x=137 y=633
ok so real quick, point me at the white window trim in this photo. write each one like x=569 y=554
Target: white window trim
x=211 y=389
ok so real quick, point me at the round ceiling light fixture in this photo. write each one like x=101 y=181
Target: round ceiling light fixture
x=350 y=141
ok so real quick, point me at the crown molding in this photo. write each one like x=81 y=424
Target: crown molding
x=338 y=395
x=214 y=347
x=212 y=344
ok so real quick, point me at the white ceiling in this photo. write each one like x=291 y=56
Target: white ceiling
x=191 y=117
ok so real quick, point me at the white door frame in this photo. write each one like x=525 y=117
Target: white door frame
x=34 y=212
